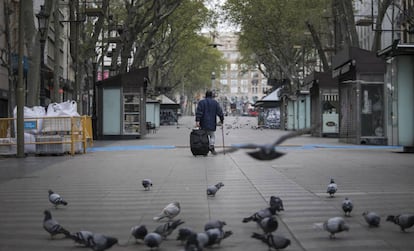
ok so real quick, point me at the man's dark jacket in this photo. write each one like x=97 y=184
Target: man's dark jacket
x=207 y=111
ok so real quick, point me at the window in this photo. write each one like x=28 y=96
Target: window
x=234 y=67
x=234 y=74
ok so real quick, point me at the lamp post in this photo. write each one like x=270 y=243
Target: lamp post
x=94 y=117
x=213 y=78
x=42 y=19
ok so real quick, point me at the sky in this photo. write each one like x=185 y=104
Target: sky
x=222 y=26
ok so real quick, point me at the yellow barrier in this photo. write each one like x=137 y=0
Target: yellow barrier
x=48 y=135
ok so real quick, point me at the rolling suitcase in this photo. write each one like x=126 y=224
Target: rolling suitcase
x=199 y=143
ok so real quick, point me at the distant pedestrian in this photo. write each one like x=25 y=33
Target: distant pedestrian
x=206 y=117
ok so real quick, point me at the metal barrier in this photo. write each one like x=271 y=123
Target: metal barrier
x=48 y=135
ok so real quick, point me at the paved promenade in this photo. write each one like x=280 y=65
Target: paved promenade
x=103 y=188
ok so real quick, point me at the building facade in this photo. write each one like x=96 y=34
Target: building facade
x=238 y=86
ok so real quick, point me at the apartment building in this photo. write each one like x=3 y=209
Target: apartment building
x=238 y=86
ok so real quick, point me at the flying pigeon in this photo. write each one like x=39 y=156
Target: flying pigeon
x=212 y=189
x=268 y=224
x=273 y=241
x=184 y=233
x=52 y=226
x=332 y=188
x=333 y=226
x=214 y=224
x=81 y=237
x=56 y=199
x=196 y=242
x=169 y=211
x=372 y=218
x=153 y=240
x=100 y=242
x=403 y=220
x=216 y=235
x=261 y=214
x=277 y=203
x=268 y=151
x=347 y=206
x=139 y=232
x=167 y=228
x=147 y=184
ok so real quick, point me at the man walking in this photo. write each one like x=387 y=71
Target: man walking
x=206 y=117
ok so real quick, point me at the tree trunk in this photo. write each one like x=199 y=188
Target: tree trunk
x=382 y=10
x=318 y=46
x=32 y=44
x=57 y=59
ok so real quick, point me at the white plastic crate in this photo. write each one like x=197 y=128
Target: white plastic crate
x=56 y=125
x=67 y=145
x=53 y=148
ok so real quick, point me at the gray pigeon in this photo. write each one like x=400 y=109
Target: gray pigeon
x=167 y=228
x=372 y=218
x=277 y=203
x=261 y=214
x=139 y=232
x=184 y=233
x=403 y=220
x=81 y=237
x=347 y=206
x=52 y=226
x=216 y=235
x=332 y=188
x=56 y=199
x=147 y=184
x=212 y=189
x=169 y=211
x=333 y=226
x=196 y=242
x=268 y=151
x=100 y=242
x=153 y=240
x=268 y=224
x=214 y=224
x=273 y=241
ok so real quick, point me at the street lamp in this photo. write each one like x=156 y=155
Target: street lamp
x=213 y=78
x=42 y=19
x=94 y=117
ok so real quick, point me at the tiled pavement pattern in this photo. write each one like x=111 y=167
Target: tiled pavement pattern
x=105 y=195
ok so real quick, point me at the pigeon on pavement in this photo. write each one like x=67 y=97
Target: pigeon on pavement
x=333 y=226
x=332 y=188
x=403 y=220
x=52 y=226
x=268 y=151
x=196 y=242
x=153 y=240
x=169 y=211
x=167 y=228
x=184 y=233
x=212 y=189
x=100 y=242
x=347 y=206
x=216 y=235
x=214 y=224
x=372 y=218
x=268 y=224
x=273 y=241
x=147 y=184
x=56 y=199
x=139 y=232
x=277 y=203
x=261 y=214
x=81 y=237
